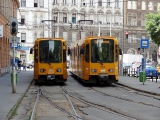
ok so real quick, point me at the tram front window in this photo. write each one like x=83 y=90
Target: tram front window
x=102 y=50
x=50 y=51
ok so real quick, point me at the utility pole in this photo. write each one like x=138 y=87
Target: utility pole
x=122 y=42
x=81 y=27
x=49 y=21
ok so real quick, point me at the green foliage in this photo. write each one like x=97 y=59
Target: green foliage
x=153 y=26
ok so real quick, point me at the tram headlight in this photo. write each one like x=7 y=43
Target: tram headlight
x=58 y=70
x=93 y=70
x=111 y=70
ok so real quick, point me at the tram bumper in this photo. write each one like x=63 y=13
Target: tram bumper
x=51 y=77
x=103 y=77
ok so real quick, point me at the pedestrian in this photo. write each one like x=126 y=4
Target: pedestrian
x=19 y=64
x=24 y=65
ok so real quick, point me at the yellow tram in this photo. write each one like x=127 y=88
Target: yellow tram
x=50 y=62
x=95 y=59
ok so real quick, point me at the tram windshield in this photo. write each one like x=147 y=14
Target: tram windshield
x=102 y=50
x=50 y=51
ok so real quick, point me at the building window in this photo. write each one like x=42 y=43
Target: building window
x=91 y=17
x=150 y=6
x=64 y=2
x=73 y=18
x=134 y=39
x=132 y=20
x=143 y=21
x=117 y=19
x=65 y=34
x=55 y=17
x=91 y=2
x=108 y=3
x=55 y=2
x=23 y=37
x=82 y=16
x=143 y=5
x=64 y=18
x=158 y=8
x=117 y=3
x=83 y=2
x=41 y=3
x=35 y=3
x=23 y=17
x=99 y=2
x=35 y=36
x=109 y=17
x=73 y=2
x=100 y=18
x=23 y=3
x=132 y=5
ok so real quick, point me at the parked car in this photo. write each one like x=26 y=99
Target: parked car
x=30 y=64
x=151 y=71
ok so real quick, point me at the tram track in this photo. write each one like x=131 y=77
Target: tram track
x=98 y=106
x=129 y=91
x=46 y=98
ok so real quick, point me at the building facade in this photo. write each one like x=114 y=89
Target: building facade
x=134 y=25
x=107 y=18
x=33 y=12
x=76 y=19
x=8 y=10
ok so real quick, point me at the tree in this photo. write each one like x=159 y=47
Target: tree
x=153 y=26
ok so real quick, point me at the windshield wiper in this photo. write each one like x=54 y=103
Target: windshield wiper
x=100 y=62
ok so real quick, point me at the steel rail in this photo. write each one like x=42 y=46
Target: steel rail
x=71 y=105
x=92 y=104
x=61 y=109
x=35 y=105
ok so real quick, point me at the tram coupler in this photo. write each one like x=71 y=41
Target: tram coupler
x=103 y=77
x=50 y=77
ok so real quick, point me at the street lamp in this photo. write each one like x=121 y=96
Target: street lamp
x=122 y=40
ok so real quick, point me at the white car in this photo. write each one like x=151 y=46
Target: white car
x=30 y=64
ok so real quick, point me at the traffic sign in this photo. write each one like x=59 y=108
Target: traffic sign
x=144 y=43
x=17 y=40
x=19 y=46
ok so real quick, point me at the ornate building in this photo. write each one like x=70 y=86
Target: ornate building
x=107 y=18
x=33 y=12
x=8 y=10
x=134 y=25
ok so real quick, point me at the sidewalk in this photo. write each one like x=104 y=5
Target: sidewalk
x=149 y=86
x=9 y=99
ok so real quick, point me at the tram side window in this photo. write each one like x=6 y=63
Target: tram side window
x=87 y=53
x=117 y=52
x=74 y=53
x=36 y=55
x=64 y=55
